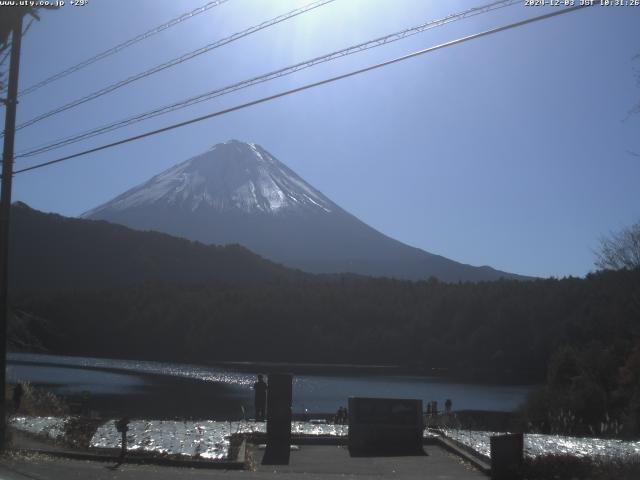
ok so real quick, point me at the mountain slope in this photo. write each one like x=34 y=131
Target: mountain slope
x=49 y=251
x=240 y=193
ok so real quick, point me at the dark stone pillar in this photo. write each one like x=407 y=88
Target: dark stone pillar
x=506 y=456
x=385 y=426
x=279 y=396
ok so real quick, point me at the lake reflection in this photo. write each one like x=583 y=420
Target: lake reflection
x=67 y=381
x=312 y=393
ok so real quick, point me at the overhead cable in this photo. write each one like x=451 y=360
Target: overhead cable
x=59 y=143
x=122 y=46
x=176 y=61
x=306 y=87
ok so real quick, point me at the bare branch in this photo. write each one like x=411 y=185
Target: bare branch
x=620 y=250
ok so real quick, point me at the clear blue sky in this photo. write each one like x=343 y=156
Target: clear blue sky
x=510 y=151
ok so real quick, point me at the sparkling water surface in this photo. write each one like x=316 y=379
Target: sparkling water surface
x=204 y=439
x=536 y=445
x=312 y=393
x=210 y=439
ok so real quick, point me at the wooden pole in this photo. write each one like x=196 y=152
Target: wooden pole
x=5 y=210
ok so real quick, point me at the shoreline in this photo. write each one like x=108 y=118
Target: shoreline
x=254 y=367
x=169 y=391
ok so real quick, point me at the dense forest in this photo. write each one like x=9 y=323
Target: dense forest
x=502 y=330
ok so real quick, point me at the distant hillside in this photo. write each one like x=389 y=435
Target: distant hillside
x=51 y=251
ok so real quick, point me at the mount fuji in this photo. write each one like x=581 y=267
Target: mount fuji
x=238 y=192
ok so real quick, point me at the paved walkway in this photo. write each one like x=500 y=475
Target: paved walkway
x=331 y=461
x=24 y=441
x=310 y=463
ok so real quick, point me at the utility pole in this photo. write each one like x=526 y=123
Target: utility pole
x=5 y=210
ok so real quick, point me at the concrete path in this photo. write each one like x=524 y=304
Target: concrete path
x=24 y=441
x=310 y=463
x=332 y=461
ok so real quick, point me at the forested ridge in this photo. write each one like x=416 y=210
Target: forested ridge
x=505 y=330
x=49 y=251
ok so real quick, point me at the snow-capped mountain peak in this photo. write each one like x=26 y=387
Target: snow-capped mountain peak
x=238 y=192
x=231 y=176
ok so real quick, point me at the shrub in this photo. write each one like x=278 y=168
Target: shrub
x=37 y=402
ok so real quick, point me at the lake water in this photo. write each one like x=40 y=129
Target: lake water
x=231 y=386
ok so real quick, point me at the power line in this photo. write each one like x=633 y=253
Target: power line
x=266 y=77
x=122 y=46
x=26 y=29
x=175 y=61
x=307 y=86
x=4 y=58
